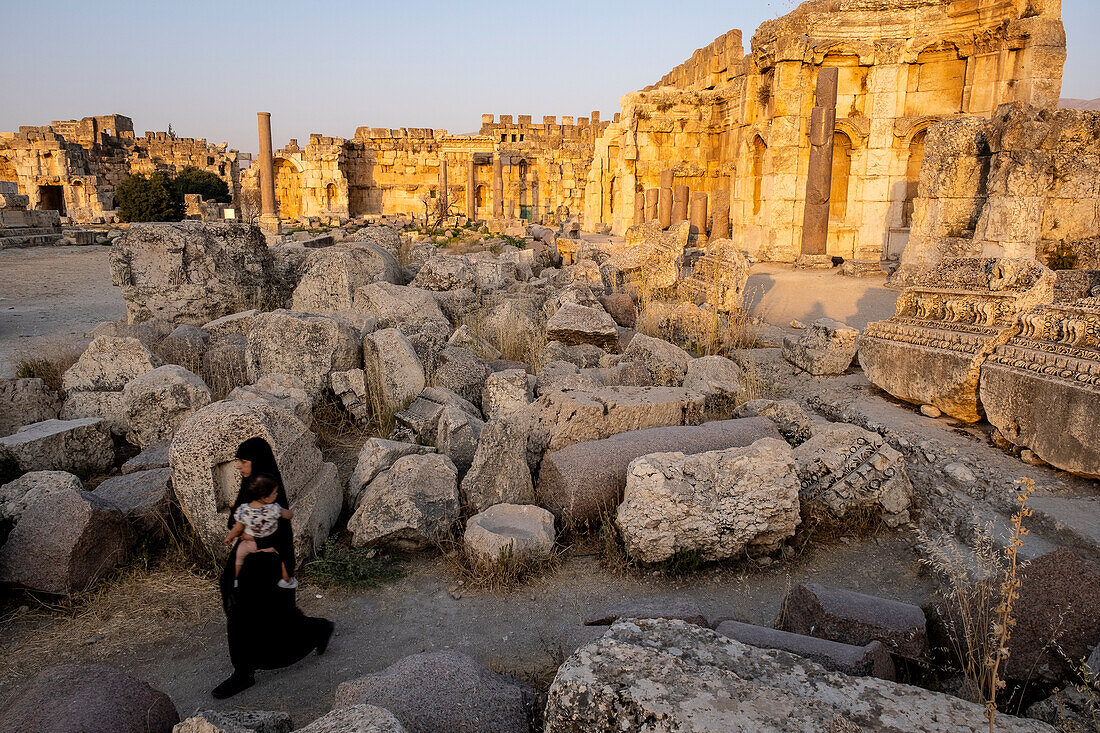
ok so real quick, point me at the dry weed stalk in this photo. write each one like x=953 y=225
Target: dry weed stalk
x=47 y=360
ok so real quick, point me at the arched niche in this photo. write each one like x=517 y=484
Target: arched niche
x=759 y=150
x=288 y=188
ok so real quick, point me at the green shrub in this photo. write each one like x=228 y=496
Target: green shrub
x=155 y=198
x=205 y=183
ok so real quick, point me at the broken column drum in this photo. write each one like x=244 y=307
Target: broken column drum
x=679 y=203
x=819 y=177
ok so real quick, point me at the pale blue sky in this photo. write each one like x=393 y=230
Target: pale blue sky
x=208 y=67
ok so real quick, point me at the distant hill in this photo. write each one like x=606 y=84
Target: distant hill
x=1091 y=104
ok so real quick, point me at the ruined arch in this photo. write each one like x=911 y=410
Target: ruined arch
x=912 y=174
x=759 y=150
x=288 y=188
x=481 y=195
x=842 y=169
x=331 y=196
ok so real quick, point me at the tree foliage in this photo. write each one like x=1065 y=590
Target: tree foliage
x=155 y=198
x=196 y=180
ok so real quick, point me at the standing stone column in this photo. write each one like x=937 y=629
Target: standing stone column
x=443 y=183
x=652 y=196
x=819 y=177
x=535 y=197
x=679 y=203
x=498 y=187
x=267 y=168
x=639 y=208
x=471 y=189
x=698 y=217
x=720 y=224
x=665 y=214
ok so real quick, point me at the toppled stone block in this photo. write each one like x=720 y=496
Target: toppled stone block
x=26 y=401
x=108 y=364
x=157 y=402
x=409 y=506
x=234 y=323
x=303 y=345
x=582 y=481
x=92 y=698
x=356 y=719
x=717 y=378
x=155 y=456
x=844 y=468
x=506 y=533
x=206 y=482
x=235 y=721
x=17 y=495
x=446 y=272
x=443 y=691
x=792 y=421
x=718 y=278
x=83 y=446
x=499 y=472
x=855 y=618
x=931 y=351
x=826 y=347
x=1041 y=389
x=666 y=363
x=693 y=679
x=462 y=372
x=143 y=497
x=107 y=406
x=286 y=392
x=871 y=660
x=651 y=255
x=393 y=368
x=714 y=505
x=333 y=275
x=506 y=392
x=63 y=542
x=577 y=324
x=191 y=272
x=684 y=609
x=377 y=455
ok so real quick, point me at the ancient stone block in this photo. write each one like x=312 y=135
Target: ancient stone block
x=508 y=533
x=302 y=345
x=81 y=446
x=932 y=349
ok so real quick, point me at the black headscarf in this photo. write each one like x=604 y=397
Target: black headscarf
x=258 y=451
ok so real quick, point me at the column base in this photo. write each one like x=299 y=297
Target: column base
x=814 y=262
x=268 y=223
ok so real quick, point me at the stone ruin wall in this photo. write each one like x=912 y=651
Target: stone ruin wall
x=1022 y=184
x=399 y=171
x=74 y=166
x=724 y=122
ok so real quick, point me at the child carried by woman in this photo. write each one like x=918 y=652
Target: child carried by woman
x=256 y=521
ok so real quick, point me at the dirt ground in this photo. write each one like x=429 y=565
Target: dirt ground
x=53 y=293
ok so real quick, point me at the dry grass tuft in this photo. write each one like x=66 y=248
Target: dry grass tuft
x=511 y=335
x=47 y=360
x=509 y=573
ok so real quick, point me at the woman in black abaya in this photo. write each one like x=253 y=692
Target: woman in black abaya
x=265 y=628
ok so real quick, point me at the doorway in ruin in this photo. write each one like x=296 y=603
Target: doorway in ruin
x=51 y=198
x=759 y=150
x=842 y=169
x=912 y=177
x=480 y=196
x=330 y=196
x=288 y=189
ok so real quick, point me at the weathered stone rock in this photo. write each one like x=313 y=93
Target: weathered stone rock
x=155 y=456
x=83 y=446
x=107 y=406
x=576 y=324
x=499 y=472
x=666 y=363
x=844 y=468
x=651 y=255
x=286 y=392
x=715 y=505
x=583 y=356
x=419 y=422
x=234 y=323
x=620 y=307
x=692 y=679
x=717 y=378
x=410 y=506
x=457 y=435
x=506 y=392
x=574 y=416
x=683 y=609
x=931 y=351
x=826 y=347
x=854 y=618
x=356 y=719
x=580 y=482
x=718 y=278
x=302 y=345
x=63 y=542
x=463 y=337
x=377 y=455
x=26 y=401
x=793 y=422
x=462 y=372
x=108 y=364
x=333 y=275
x=1042 y=388
x=143 y=497
x=157 y=402
x=446 y=272
x=392 y=368
x=443 y=691
x=871 y=660
x=393 y=304
x=184 y=344
x=206 y=482
x=17 y=495
x=235 y=721
x=94 y=698
x=508 y=320
x=191 y=272
x=510 y=532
